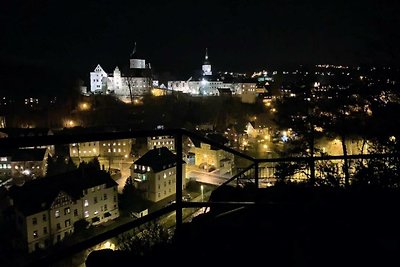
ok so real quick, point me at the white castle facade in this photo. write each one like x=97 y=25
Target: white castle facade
x=136 y=81
x=208 y=84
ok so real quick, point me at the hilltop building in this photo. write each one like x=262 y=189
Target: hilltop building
x=135 y=81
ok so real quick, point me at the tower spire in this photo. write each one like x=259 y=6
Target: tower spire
x=133 y=51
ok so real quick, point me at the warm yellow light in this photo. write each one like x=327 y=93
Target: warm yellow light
x=108 y=245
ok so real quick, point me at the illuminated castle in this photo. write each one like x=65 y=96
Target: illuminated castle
x=137 y=80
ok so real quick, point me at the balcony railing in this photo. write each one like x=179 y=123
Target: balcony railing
x=259 y=173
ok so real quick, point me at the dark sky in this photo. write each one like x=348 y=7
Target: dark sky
x=240 y=35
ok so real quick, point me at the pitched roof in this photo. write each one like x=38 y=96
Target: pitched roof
x=216 y=137
x=35 y=154
x=24 y=132
x=38 y=195
x=158 y=159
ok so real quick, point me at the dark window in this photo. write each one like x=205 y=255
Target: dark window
x=75 y=212
x=44 y=230
x=67 y=223
x=34 y=221
x=44 y=217
x=35 y=234
x=58 y=226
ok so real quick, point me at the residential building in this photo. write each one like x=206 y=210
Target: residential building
x=84 y=149
x=167 y=141
x=155 y=174
x=105 y=148
x=248 y=92
x=29 y=162
x=209 y=157
x=5 y=166
x=46 y=209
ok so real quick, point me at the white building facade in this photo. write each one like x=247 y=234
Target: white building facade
x=137 y=81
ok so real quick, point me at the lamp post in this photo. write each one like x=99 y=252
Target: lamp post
x=202 y=195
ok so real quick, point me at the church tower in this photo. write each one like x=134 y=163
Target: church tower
x=135 y=62
x=206 y=65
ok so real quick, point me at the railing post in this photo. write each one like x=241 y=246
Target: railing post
x=179 y=180
x=256 y=173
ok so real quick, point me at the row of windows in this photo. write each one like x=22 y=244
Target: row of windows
x=93 y=189
x=5 y=166
x=95 y=201
x=22 y=167
x=165 y=192
x=114 y=144
x=66 y=212
x=103 y=208
x=67 y=223
x=143 y=168
x=165 y=175
x=165 y=183
x=84 y=151
x=163 y=143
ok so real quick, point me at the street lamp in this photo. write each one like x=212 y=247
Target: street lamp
x=202 y=195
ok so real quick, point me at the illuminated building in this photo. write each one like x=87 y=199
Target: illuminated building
x=209 y=157
x=30 y=163
x=161 y=141
x=206 y=68
x=248 y=92
x=49 y=215
x=137 y=79
x=107 y=148
x=154 y=174
x=208 y=84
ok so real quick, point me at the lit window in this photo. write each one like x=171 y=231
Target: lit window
x=148 y=169
x=67 y=211
x=57 y=213
x=86 y=213
x=35 y=234
x=86 y=203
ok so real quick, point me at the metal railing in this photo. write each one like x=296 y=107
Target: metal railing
x=255 y=173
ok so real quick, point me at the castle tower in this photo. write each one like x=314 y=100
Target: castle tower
x=206 y=65
x=136 y=63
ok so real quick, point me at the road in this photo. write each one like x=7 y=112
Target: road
x=208 y=178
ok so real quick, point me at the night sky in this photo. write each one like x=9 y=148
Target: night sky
x=172 y=35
